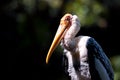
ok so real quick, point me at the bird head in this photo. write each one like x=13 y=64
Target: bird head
x=65 y=23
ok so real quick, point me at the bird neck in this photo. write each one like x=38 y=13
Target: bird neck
x=72 y=31
x=69 y=42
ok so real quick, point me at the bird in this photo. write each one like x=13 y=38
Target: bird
x=84 y=57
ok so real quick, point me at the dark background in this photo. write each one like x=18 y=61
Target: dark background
x=27 y=31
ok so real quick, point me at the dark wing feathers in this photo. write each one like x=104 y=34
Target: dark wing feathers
x=95 y=50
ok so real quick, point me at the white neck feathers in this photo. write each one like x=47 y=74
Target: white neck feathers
x=74 y=29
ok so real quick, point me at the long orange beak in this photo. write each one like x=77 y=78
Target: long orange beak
x=64 y=24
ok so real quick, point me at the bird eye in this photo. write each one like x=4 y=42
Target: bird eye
x=68 y=18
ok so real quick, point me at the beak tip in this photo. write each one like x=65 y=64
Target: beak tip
x=46 y=62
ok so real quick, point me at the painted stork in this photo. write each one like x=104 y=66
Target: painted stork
x=85 y=58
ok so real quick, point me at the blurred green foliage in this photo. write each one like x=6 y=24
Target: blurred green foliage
x=116 y=66
x=87 y=10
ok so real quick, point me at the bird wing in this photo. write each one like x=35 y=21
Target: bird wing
x=98 y=61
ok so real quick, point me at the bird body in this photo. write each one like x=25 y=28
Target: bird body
x=77 y=66
x=85 y=58
x=88 y=61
